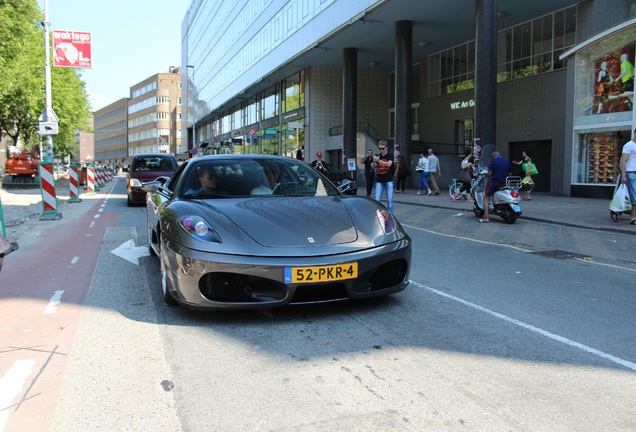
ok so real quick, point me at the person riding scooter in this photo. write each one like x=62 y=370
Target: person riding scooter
x=498 y=170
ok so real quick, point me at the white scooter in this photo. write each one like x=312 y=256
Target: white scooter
x=505 y=202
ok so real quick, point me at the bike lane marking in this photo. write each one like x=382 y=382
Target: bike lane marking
x=11 y=384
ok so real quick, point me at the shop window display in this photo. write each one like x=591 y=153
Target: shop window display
x=601 y=161
x=614 y=83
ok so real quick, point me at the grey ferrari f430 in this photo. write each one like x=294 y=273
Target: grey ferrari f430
x=257 y=231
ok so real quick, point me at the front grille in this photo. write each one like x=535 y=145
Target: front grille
x=388 y=275
x=235 y=288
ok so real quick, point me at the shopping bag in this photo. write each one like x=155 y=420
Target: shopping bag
x=463 y=176
x=533 y=168
x=620 y=201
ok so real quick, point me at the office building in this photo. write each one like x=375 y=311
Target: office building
x=111 y=133
x=337 y=75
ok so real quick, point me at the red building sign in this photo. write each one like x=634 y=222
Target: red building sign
x=72 y=49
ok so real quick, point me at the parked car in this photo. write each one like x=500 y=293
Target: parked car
x=342 y=180
x=257 y=231
x=146 y=167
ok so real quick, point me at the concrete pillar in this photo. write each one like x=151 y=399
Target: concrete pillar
x=403 y=80
x=349 y=105
x=486 y=71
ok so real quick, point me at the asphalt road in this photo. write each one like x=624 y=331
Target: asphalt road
x=524 y=327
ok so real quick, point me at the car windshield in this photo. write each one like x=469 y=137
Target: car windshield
x=252 y=177
x=154 y=163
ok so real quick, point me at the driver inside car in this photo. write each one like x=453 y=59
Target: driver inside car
x=208 y=180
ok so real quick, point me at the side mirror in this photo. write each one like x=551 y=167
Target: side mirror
x=157 y=186
x=152 y=186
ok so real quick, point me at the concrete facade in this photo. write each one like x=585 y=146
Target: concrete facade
x=533 y=110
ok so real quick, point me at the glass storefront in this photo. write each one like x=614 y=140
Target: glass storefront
x=275 y=116
x=603 y=107
x=598 y=158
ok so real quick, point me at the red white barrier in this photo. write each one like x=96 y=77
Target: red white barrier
x=73 y=184
x=47 y=187
x=90 y=178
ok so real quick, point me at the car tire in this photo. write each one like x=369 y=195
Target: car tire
x=130 y=203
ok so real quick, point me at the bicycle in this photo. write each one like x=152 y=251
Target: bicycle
x=454 y=187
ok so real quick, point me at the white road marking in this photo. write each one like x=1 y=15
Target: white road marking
x=527 y=326
x=513 y=247
x=129 y=252
x=11 y=385
x=75 y=260
x=96 y=216
x=92 y=224
x=53 y=302
x=469 y=239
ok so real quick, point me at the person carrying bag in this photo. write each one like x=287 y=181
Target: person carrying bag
x=620 y=201
x=528 y=169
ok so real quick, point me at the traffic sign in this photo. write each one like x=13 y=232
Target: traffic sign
x=252 y=132
x=48 y=128
x=52 y=117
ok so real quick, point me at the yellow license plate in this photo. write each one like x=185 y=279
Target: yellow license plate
x=326 y=273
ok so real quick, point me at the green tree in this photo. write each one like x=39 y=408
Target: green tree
x=22 y=96
x=21 y=41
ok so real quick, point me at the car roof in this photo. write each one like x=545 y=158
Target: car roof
x=145 y=155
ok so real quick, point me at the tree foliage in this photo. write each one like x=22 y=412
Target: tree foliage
x=22 y=81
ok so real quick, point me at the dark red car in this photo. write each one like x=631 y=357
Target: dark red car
x=147 y=167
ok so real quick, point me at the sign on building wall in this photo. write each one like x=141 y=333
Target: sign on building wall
x=72 y=49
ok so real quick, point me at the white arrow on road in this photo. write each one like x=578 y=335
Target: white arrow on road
x=130 y=252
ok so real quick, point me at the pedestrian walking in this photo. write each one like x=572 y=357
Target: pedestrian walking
x=386 y=171
x=369 y=171
x=422 y=168
x=628 y=176
x=528 y=169
x=434 y=170
x=402 y=173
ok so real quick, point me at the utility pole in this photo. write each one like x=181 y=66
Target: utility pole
x=48 y=115
x=192 y=113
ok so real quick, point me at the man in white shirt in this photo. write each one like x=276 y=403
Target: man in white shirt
x=628 y=176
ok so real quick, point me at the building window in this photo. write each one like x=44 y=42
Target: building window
x=294 y=92
x=527 y=49
x=269 y=104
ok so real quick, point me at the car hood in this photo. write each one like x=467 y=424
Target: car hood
x=290 y=221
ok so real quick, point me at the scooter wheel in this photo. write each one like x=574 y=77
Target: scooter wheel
x=478 y=212
x=509 y=216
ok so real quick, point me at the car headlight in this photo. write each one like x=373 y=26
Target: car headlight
x=387 y=221
x=199 y=228
x=133 y=182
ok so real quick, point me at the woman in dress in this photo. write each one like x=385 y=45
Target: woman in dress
x=526 y=167
x=402 y=173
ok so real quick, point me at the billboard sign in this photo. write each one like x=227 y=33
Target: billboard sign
x=72 y=49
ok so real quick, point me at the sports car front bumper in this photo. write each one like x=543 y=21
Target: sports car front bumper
x=211 y=281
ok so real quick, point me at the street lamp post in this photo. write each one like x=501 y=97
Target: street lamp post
x=192 y=113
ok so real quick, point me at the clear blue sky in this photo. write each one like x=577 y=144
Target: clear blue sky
x=131 y=40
